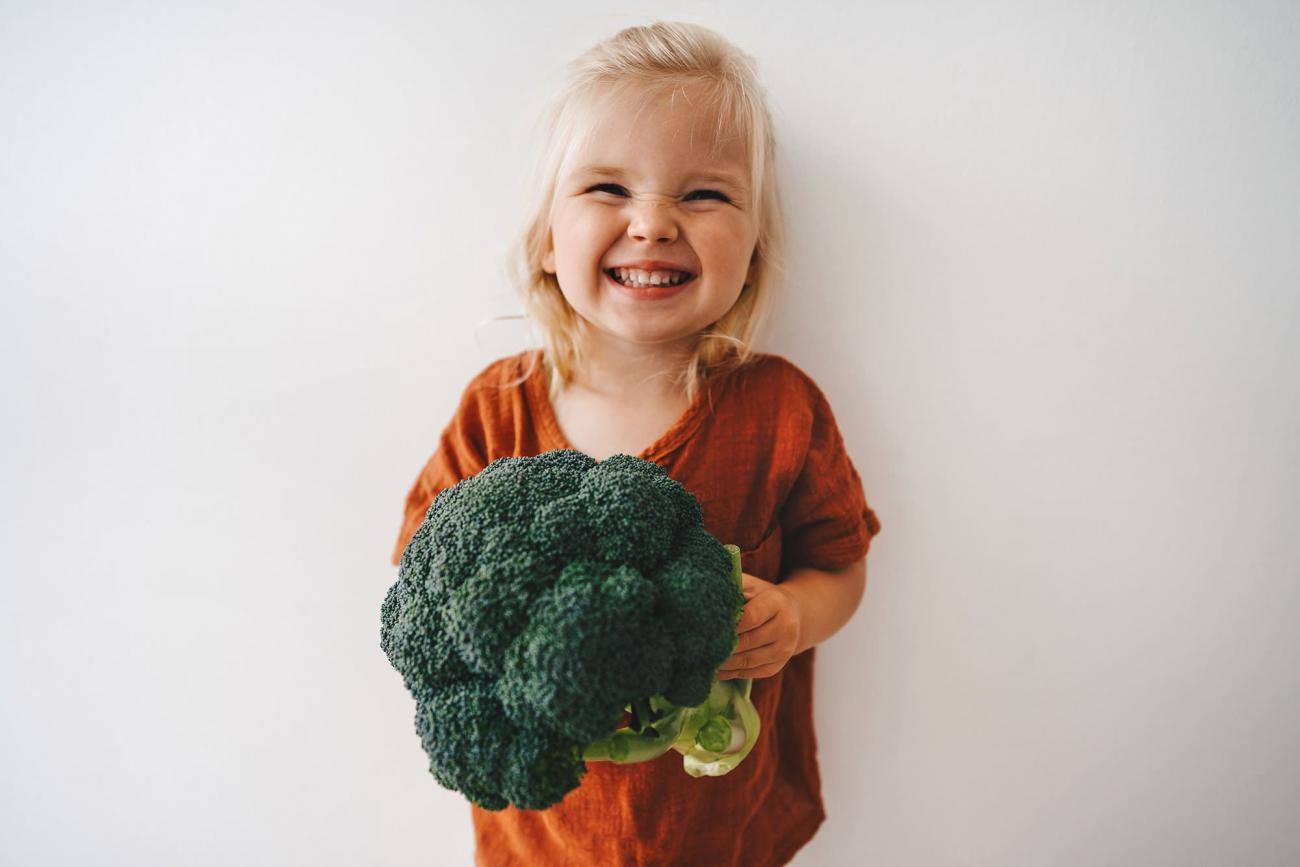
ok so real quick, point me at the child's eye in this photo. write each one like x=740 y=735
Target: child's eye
x=616 y=189
x=720 y=195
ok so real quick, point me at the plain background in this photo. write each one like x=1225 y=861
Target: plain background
x=1044 y=266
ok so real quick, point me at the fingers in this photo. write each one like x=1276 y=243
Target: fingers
x=759 y=610
x=765 y=670
x=748 y=659
x=760 y=650
x=766 y=633
x=753 y=639
x=754 y=617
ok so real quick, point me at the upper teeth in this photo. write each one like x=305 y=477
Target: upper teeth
x=650 y=278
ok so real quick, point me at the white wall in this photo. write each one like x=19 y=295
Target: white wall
x=1045 y=268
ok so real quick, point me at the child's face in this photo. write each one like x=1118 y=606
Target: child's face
x=654 y=202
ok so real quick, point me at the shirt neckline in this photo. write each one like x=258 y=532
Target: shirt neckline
x=665 y=444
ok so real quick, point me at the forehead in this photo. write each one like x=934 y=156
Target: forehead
x=674 y=131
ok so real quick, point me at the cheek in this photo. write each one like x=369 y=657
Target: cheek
x=582 y=241
x=729 y=244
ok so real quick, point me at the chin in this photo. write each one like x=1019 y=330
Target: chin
x=638 y=333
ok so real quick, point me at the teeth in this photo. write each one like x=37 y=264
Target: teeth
x=637 y=277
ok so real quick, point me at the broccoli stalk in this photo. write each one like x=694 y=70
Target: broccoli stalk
x=713 y=737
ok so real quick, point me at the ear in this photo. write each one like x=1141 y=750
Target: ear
x=548 y=258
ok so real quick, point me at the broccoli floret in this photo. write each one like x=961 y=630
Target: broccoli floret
x=545 y=597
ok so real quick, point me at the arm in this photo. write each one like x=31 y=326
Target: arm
x=826 y=600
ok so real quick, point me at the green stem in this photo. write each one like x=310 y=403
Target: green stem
x=678 y=727
x=626 y=746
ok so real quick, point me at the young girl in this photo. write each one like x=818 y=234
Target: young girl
x=649 y=261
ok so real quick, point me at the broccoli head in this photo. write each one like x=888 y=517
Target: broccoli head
x=547 y=597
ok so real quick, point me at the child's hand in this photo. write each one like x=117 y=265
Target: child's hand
x=768 y=630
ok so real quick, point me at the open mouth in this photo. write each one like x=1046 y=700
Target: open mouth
x=665 y=286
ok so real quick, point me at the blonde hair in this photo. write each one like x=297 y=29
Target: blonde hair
x=653 y=59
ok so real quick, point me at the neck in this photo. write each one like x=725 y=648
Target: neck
x=619 y=369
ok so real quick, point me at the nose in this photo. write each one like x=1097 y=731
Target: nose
x=652 y=221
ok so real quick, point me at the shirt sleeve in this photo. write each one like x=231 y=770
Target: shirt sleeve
x=461 y=452
x=826 y=522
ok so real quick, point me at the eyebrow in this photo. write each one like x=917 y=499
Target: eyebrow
x=615 y=172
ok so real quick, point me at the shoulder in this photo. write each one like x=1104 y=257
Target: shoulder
x=780 y=369
x=505 y=372
x=486 y=420
x=502 y=378
x=768 y=378
x=781 y=399
x=490 y=401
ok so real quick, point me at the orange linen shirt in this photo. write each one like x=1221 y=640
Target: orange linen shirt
x=760 y=449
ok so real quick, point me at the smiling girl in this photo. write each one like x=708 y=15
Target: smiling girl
x=649 y=260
